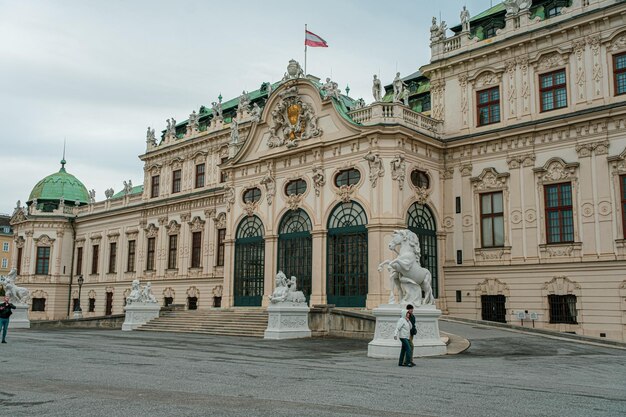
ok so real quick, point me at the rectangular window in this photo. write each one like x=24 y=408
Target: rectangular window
x=19 y=261
x=94 y=259
x=79 y=261
x=5 y=247
x=221 y=236
x=622 y=181
x=43 y=260
x=553 y=90
x=5 y=263
x=112 y=257
x=559 y=214
x=39 y=304
x=130 y=263
x=154 y=186
x=196 y=249
x=92 y=305
x=150 y=254
x=223 y=175
x=199 y=175
x=492 y=219
x=176 y=180
x=562 y=308
x=488 y=106
x=458 y=205
x=173 y=251
x=619 y=72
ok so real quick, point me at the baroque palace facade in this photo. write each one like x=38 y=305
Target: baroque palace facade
x=506 y=156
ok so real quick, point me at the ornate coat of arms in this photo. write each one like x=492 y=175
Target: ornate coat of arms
x=292 y=120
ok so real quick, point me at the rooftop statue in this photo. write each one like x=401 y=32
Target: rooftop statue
x=465 y=19
x=17 y=295
x=92 y=196
x=256 y=112
x=150 y=137
x=108 y=193
x=330 y=89
x=128 y=187
x=513 y=7
x=234 y=132
x=398 y=89
x=405 y=272
x=244 y=102
x=437 y=32
x=194 y=123
x=216 y=107
x=376 y=88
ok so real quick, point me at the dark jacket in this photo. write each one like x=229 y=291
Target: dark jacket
x=5 y=310
x=413 y=329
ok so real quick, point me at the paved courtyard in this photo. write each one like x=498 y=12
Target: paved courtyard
x=113 y=373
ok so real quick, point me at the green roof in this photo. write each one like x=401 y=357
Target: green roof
x=138 y=189
x=498 y=8
x=60 y=185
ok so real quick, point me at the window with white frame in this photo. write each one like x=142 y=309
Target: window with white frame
x=5 y=263
x=5 y=246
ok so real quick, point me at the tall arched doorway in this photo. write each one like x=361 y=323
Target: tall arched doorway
x=295 y=248
x=346 y=276
x=249 y=262
x=420 y=220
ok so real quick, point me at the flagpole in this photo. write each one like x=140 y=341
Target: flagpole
x=305 y=50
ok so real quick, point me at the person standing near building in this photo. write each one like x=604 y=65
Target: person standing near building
x=413 y=332
x=403 y=332
x=5 y=313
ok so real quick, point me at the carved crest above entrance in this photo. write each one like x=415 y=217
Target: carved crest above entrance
x=292 y=120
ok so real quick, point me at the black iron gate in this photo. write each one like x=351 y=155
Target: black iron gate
x=346 y=279
x=493 y=308
x=295 y=248
x=249 y=263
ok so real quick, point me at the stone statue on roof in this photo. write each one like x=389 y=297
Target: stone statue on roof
x=193 y=123
x=513 y=7
x=217 y=110
x=234 y=132
x=376 y=89
x=128 y=187
x=108 y=193
x=330 y=89
x=294 y=71
x=255 y=112
x=92 y=196
x=244 y=102
x=398 y=89
x=465 y=19
x=150 y=137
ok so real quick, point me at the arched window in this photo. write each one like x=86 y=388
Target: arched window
x=252 y=195
x=295 y=248
x=421 y=221
x=347 y=177
x=249 y=262
x=346 y=277
x=295 y=187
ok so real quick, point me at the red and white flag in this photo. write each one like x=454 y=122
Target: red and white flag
x=311 y=39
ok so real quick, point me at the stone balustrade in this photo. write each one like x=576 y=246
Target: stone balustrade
x=396 y=113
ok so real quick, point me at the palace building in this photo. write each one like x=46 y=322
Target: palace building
x=506 y=155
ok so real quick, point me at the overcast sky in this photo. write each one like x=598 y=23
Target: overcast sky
x=99 y=72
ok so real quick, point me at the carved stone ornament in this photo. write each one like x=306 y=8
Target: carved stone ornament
x=398 y=170
x=193 y=292
x=466 y=170
x=319 y=180
x=422 y=194
x=492 y=286
x=345 y=193
x=551 y=61
x=19 y=242
x=618 y=43
x=561 y=285
x=173 y=228
x=526 y=160
x=377 y=170
x=618 y=163
x=197 y=224
x=43 y=240
x=556 y=170
x=490 y=179
x=487 y=78
x=152 y=230
x=220 y=221
x=250 y=207
x=217 y=291
x=229 y=196
x=18 y=217
x=113 y=236
x=292 y=120
x=270 y=186
x=294 y=201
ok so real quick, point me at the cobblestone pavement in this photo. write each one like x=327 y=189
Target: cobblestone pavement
x=112 y=373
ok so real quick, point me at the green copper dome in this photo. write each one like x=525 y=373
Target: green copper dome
x=57 y=186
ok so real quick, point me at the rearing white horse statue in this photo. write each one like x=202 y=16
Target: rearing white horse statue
x=405 y=272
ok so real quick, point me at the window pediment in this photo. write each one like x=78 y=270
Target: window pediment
x=556 y=170
x=490 y=179
x=486 y=78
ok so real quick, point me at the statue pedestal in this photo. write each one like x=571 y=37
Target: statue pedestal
x=19 y=318
x=384 y=346
x=140 y=313
x=427 y=341
x=287 y=320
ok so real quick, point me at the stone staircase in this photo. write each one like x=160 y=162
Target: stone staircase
x=250 y=322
